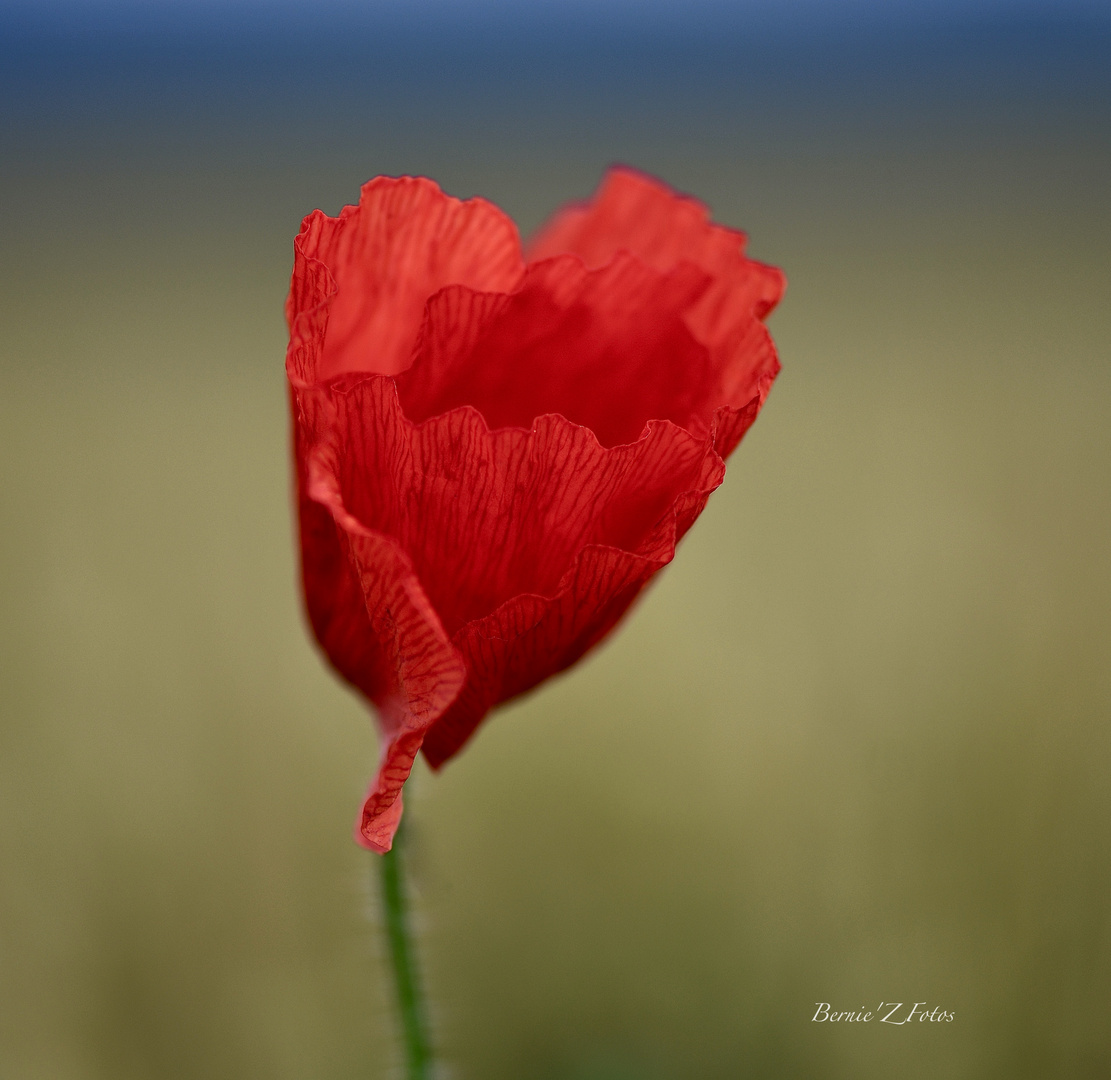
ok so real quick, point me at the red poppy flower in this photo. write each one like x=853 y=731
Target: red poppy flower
x=494 y=452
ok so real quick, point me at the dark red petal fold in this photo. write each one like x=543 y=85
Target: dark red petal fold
x=494 y=458
x=606 y=348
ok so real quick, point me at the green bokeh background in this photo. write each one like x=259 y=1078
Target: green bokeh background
x=852 y=747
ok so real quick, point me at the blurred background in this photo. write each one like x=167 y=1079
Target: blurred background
x=854 y=745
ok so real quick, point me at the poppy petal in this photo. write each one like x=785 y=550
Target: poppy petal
x=636 y=213
x=375 y=623
x=404 y=240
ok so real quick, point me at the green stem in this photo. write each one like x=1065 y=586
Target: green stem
x=410 y=1000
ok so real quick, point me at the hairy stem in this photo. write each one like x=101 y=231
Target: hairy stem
x=407 y=989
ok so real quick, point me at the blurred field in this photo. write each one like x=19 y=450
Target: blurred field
x=853 y=747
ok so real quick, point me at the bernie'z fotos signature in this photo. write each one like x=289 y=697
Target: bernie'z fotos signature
x=888 y=1012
